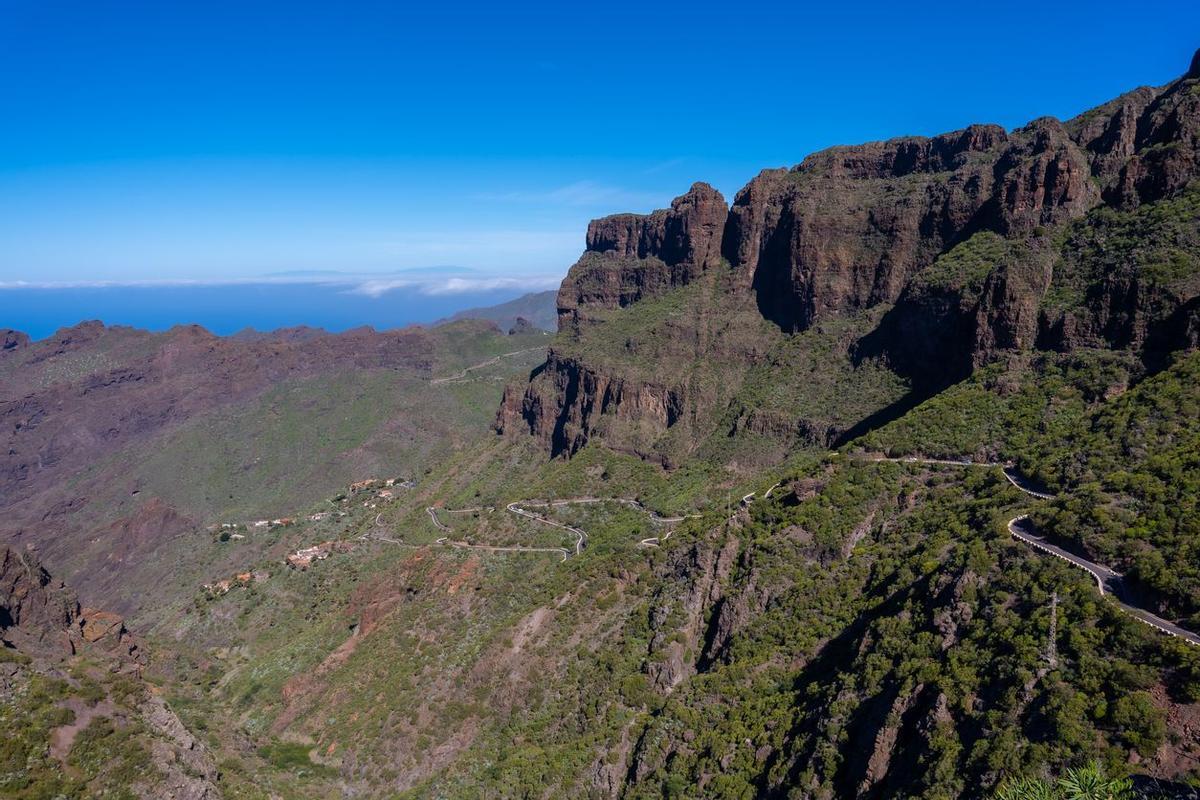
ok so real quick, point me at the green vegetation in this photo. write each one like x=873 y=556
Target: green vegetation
x=1158 y=244
x=1134 y=473
x=965 y=267
x=293 y=756
x=1124 y=460
x=108 y=758
x=1089 y=782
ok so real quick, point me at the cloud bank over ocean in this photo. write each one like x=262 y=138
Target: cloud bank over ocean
x=330 y=300
x=417 y=280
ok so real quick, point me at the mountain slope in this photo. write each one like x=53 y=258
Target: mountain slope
x=118 y=442
x=930 y=256
x=751 y=527
x=538 y=308
x=80 y=721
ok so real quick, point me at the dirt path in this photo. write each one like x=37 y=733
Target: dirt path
x=62 y=738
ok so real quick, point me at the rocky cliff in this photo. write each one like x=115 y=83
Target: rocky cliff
x=907 y=226
x=630 y=257
x=42 y=621
x=41 y=614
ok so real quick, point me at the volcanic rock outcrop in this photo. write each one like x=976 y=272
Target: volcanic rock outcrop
x=11 y=340
x=41 y=614
x=851 y=229
x=634 y=256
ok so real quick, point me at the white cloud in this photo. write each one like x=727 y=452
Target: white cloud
x=428 y=284
x=456 y=285
x=535 y=283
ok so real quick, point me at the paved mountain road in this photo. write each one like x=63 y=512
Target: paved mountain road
x=1108 y=581
x=580 y=536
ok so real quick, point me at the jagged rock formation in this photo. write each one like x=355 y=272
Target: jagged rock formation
x=12 y=340
x=186 y=767
x=42 y=614
x=630 y=257
x=42 y=619
x=32 y=604
x=895 y=225
x=850 y=226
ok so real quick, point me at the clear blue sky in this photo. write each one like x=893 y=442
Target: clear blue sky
x=210 y=140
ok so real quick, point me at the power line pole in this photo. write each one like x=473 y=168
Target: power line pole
x=1052 y=644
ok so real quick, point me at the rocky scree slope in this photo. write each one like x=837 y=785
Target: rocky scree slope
x=939 y=254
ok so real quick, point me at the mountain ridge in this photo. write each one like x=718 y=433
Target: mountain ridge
x=851 y=229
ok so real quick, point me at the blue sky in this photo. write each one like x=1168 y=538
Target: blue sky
x=227 y=140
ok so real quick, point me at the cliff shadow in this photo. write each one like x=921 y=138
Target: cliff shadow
x=927 y=346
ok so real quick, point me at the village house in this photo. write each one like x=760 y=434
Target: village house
x=240 y=579
x=305 y=556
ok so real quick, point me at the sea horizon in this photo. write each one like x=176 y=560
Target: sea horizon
x=231 y=308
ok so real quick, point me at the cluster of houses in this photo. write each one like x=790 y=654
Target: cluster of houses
x=380 y=483
x=302 y=558
x=240 y=579
x=231 y=527
x=382 y=489
x=320 y=515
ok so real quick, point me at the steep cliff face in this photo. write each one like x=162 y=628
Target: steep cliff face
x=634 y=256
x=651 y=382
x=42 y=615
x=31 y=602
x=566 y=409
x=845 y=228
x=849 y=227
x=908 y=225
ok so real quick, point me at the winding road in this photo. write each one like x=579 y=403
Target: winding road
x=462 y=374
x=522 y=509
x=580 y=535
x=445 y=540
x=1108 y=581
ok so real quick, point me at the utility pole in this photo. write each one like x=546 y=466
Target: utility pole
x=1052 y=644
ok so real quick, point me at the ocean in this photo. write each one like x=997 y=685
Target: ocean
x=226 y=309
